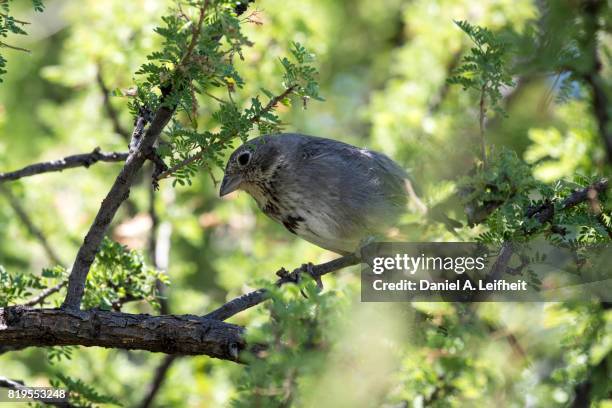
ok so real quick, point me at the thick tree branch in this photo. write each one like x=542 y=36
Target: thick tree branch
x=141 y=148
x=118 y=193
x=77 y=160
x=22 y=327
x=237 y=305
x=184 y=334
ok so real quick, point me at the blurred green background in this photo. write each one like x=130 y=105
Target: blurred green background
x=383 y=68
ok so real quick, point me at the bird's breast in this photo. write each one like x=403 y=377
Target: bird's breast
x=309 y=219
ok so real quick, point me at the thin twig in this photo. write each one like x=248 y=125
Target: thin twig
x=19 y=385
x=481 y=121
x=214 y=97
x=77 y=160
x=108 y=107
x=32 y=229
x=198 y=156
x=6 y=16
x=158 y=380
x=273 y=102
x=195 y=34
x=438 y=99
x=45 y=294
x=254 y=298
x=13 y=47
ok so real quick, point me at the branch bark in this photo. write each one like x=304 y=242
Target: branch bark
x=141 y=148
x=22 y=327
x=77 y=160
x=118 y=193
x=184 y=334
x=593 y=75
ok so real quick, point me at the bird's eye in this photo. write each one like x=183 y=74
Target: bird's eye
x=244 y=158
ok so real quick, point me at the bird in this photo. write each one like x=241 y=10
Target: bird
x=332 y=194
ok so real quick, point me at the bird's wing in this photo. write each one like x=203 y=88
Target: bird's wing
x=366 y=185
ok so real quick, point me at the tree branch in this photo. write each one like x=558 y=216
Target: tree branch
x=77 y=160
x=18 y=385
x=545 y=213
x=482 y=115
x=22 y=327
x=40 y=298
x=32 y=229
x=141 y=148
x=6 y=17
x=256 y=297
x=108 y=107
x=184 y=334
x=118 y=193
x=13 y=47
x=158 y=380
x=593 y=75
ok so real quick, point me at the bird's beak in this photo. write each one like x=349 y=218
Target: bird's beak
x=230 y=183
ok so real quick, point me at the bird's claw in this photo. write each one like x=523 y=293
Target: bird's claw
x=287 y=276
x=309 y=269
x=295 y=276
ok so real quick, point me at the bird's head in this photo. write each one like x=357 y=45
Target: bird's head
x=249 y=165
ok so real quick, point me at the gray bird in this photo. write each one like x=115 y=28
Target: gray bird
x=327 y=192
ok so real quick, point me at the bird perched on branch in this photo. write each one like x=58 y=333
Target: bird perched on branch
x=327 y=192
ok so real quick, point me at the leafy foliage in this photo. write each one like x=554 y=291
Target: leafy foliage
x=383 y=74
x=11 y=25
x=195 y=61
x=485 y=68
x=294 y=342
x=82 y=395
x=513 y=194
x=120 y=275
x=15 y=288
x=56 y=354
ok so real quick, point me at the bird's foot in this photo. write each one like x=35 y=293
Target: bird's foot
x=295 y=276
x=309 y=269
x=370 y=239
x=286 y=276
